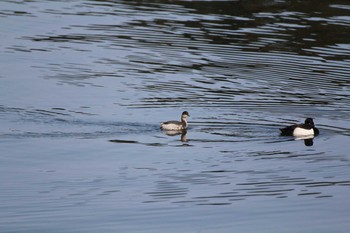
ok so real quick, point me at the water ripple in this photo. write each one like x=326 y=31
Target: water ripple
x=85 y=84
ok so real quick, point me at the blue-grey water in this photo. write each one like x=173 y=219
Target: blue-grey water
x=84 y=85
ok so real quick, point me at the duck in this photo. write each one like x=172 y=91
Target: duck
x=301 y=130
x=176 y=125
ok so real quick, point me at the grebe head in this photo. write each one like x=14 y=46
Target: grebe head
x=184 y=115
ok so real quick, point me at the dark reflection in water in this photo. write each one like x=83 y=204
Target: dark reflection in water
x=183 y=133
x=212 y=54
x=85 y=84
x=309 y=142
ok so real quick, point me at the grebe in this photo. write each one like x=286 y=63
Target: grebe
x=176 y=125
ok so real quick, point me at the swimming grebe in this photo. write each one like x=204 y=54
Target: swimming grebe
x=176 y=125
x=299 y=130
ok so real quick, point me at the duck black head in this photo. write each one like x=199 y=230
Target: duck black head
x=309 y=121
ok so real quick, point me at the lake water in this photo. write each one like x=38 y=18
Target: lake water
x=85 y=84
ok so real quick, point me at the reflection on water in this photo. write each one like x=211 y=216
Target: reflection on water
x=308 y=140
x=183 y=133
x=85 y=84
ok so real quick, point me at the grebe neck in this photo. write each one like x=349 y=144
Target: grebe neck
x=184 y=122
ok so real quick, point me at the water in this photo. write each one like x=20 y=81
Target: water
x=85 y=84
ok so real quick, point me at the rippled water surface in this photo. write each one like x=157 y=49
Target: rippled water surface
x=85 y=84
